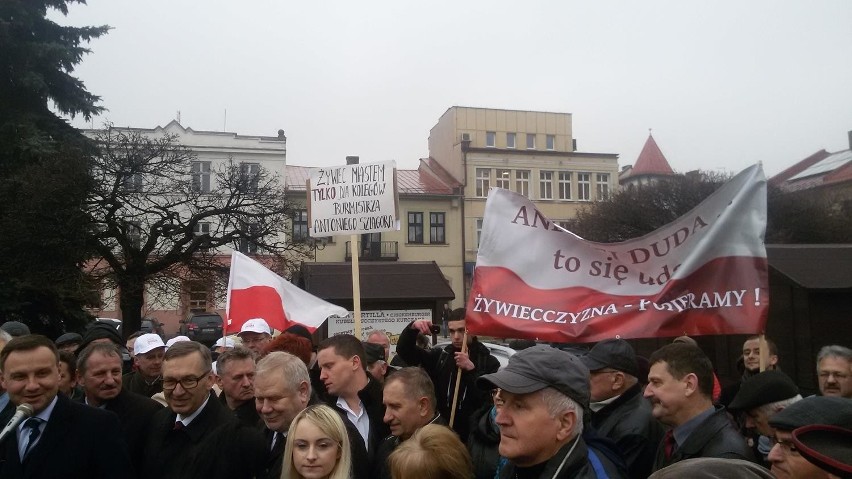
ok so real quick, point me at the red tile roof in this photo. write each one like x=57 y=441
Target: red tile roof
x=651 y=161
x=422 y=181
x=799 y=167
x=820 y=169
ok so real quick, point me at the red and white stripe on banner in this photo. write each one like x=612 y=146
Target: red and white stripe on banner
x=705 y=273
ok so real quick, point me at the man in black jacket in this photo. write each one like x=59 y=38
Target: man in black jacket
x=99 y=366
x=196 y=436
x=62 y=438
x=619 y=411
x=147 y=380
x=680 y=385
x=443 y=366
x=236 y=370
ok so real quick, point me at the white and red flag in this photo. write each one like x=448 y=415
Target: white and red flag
x=256 y=292
x=705 y=273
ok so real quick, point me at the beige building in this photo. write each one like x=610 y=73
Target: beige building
x=529 y=152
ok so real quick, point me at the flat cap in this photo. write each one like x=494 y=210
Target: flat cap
x=826 y=410
x=827 y=447
x=764 y=388
x=617 y=354
x=374 y=352
x=15 y=328
x=539 y=367
x=68 y=338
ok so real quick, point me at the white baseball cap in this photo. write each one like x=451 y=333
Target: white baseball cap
x=255 y=325
x=147 y=342
x=225 y=342
x=176 y=339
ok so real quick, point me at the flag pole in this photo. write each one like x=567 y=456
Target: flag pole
x=764 y=352
x=458 y=381
x=356 y=288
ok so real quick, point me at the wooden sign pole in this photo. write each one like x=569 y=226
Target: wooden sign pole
x=458 y=382
x=764 y=352
x=356 y=288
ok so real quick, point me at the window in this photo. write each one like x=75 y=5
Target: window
x=201 y=228
x=602 y=186
x=564 y=185
x=197 y=295
x=201 y=176
x=490 y=139
x=478 y=231
x=522 y=182
x=545 y=185
x=248 y=243
x=483 y=181
x=437 y=228
x=503 y=178
x=300 y=226
x=531 y=141
x=134 y=233
x=415 y=227
x=567 y=224
x=551 y=142
x=584 y=182
x=249 y=177
x=510 y=140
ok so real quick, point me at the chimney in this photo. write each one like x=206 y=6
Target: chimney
x=573 y=144
x=850 y=139
x=352 y=160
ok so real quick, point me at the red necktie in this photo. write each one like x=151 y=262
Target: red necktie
x=178 y=426
x=669 y=443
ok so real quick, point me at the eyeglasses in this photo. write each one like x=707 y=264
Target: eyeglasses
x=186 y=383
x=787 y=446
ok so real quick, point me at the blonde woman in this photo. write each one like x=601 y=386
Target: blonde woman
x=317 y=446
x=433 y=452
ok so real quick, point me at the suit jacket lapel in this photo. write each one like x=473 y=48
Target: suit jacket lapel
x=54 y=431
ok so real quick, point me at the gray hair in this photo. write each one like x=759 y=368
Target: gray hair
x=834 y=351
x=773 y=407
x=292 y=370
x=107 y=349
x=4 y=336
x=558 y=403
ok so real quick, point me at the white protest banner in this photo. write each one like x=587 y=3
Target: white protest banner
x=705 y=273
x=353 y=199
x=392 y=321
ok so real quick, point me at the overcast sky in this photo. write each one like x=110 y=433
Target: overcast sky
x=723 y=84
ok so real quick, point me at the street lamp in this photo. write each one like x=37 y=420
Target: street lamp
x=317 y=244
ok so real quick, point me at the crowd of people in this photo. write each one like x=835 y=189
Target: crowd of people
x=280 y=407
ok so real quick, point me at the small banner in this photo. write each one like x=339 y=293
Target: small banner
x=705 y=273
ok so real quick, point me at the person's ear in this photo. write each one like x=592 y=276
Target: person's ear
x=691 y=384
x=617 y=381
x=567 y=421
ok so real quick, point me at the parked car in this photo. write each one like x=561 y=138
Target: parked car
x=502 y=353
x=205 y=328
x=151 y=325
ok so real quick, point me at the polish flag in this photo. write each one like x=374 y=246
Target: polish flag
x=256 y=292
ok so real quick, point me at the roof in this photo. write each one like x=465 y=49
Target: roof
x=651 y=161
x=422 y=181
x=820 y=169
x=410 y=280
x=813 y=266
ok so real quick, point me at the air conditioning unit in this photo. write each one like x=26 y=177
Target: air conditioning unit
x=465 y=137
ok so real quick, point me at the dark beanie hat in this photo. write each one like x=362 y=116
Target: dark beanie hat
x=764 y=388
x=100 y=331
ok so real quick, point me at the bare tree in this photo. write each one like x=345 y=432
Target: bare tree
x=156 y=219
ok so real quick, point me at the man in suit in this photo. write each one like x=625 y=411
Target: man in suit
x=235 y=371
x=282 y=389
x=99 y=368
x=62 y=438
x=196 y=436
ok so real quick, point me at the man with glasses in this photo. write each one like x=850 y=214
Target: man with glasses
x=787 y=462
x=834 y=368
x=619 y=411
x=255 y=335
x=197 y=436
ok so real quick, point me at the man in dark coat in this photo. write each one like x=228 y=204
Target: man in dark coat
x=350 y=388
x=62 y=438
x=443 y=366
x=99 y=366
x=680 y=386
x=543 y=393
x=409 y=399
x=619 y=411
x=147 y=379
x=236 y=369
x=196 y=436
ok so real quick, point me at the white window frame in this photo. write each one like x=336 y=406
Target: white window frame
x=584 y=186
x=545 y=184
x=490 y=139
x=201 y=228
x=531 y=141
x=564 y=185
x=503 y=178
x=511 y=140
x=550 y=142
x=478 y=231
x=601 y=186
x=522 y=182
x=201 y=176
x=483 y=182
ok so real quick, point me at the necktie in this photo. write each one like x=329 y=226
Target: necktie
x=276 y=438
x=178 y=426
x=669 y=443
x=32 y=424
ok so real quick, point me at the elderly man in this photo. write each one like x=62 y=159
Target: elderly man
x=380 y=337
x=760 y=397
x=834 y=368
x=351 y=390
x=68 y=342
x=235 y=370
x=409 y=399
x=255 y=335
x=619 y=411
x=62 y=438
x=196 y=436
x=827 y=447
x=543 y=392
x=99 y=370
x=147 y=380
x=680 y=386
x=787 y=462
x=377 y=365
x=282 y=389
